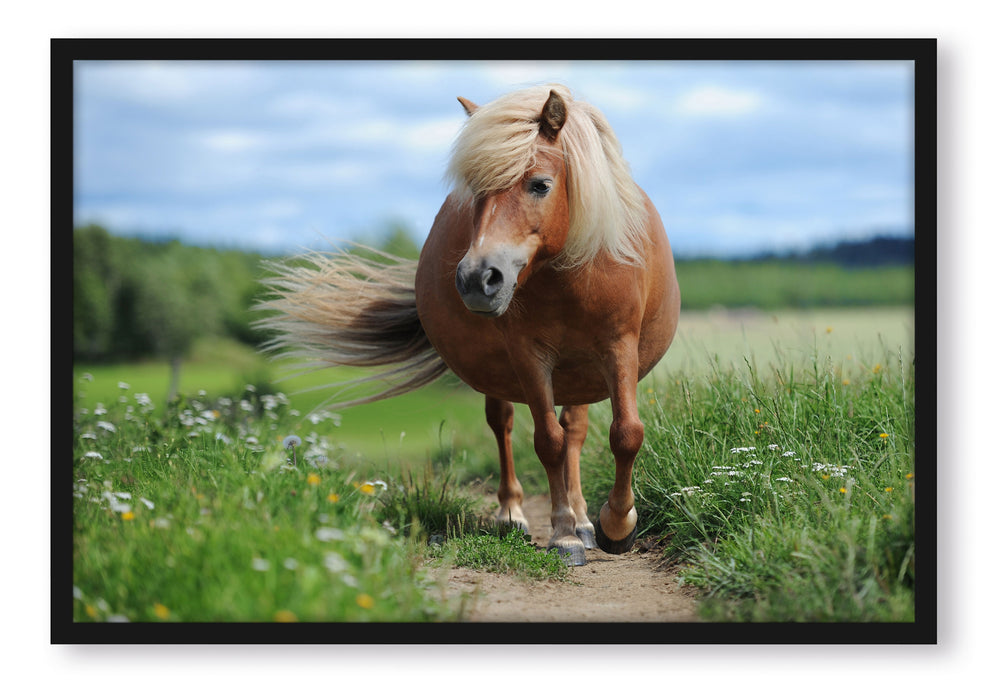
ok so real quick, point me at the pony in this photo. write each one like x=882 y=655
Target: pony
x=547 y=280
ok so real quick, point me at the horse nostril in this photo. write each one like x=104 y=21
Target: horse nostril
x=491 y=281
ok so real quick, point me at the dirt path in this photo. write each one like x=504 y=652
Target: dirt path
x=632 y=587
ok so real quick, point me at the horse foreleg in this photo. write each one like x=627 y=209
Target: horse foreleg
x=615 y=530
x=510 y=494
x=550 y=442
x=574 y=421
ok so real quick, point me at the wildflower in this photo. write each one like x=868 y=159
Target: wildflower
x=147 y=504
x=326 y=534
x=884 y=436
x=783 y=478
x=828 y=329
x=109 y=427
x=877 y=368
x=842 y=490
x=127 y=515
x=291 y=441
x=285 y=616
x=737 y=450
x=93 y=455
x=756 y=410
x=161 y=612
x=312 y=479
x=889 y=489
x=909 y=476
x=367 y=488
x=259 y=564
x=335 y=563
x=123 y=386
x=290 y=564
x=86 y=377
x=333 y=498
x=365 y=601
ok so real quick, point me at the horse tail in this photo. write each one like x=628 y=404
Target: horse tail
x=354 y=309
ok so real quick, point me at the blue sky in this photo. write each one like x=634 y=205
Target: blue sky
x=739 y=157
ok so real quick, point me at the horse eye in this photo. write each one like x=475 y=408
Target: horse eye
x=540 y=187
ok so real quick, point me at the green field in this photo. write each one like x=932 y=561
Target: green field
x=812 y=413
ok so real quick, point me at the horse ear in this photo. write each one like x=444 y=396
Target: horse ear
x=469 y=106
x=553 y=116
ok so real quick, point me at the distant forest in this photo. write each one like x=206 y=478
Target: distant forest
x=135 y=298
x=879 y=251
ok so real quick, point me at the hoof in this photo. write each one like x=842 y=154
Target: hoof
x=586 y=534
x=571 y=553
x=612 y=546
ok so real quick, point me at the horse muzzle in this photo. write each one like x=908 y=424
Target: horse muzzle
x=486 y=285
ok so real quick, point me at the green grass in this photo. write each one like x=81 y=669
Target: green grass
x=778 y=284
x=785 y=489
x=206 y=516
x=234 y=535
x=408 y=429
x=509 y=552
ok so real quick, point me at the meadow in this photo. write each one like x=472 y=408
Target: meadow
x=778 y=473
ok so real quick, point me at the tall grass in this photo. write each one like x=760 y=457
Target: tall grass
x=213 y=513
x=787 y=493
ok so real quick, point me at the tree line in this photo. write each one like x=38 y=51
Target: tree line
x=136 y=298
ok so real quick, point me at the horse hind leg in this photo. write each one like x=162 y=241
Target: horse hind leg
x=574 y=421
x=499 y=415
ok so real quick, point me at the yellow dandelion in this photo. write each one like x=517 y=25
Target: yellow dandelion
x=828 y=329
x=285 y=616
x=365 y=601
x=161 y=612
x=653 y=402
x=129 y=515
x=845 y=382
x=909 y=476
x=825 y=476
x=333 y=498
x=888 y=517
x=313 y=479
x=877 y=368
x=367 y=488
x=90 y=610
x=884 y=436
x=842 y=490
x=216 y=413
x=756 y=410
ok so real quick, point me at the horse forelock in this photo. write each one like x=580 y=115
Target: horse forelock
x=499 y=143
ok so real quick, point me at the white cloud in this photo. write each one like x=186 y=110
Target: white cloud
x=714 y=100
x=231 y=140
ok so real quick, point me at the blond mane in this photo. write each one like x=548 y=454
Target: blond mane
x=498 y=144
